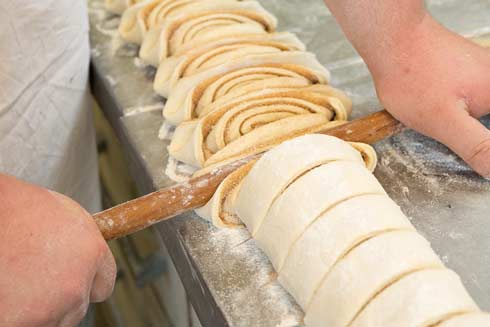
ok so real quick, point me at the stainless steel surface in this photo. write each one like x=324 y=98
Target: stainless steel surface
x=229 y=280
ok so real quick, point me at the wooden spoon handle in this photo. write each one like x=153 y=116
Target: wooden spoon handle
x=169 y=202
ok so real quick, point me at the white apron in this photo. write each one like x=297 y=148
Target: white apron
x=46 y=129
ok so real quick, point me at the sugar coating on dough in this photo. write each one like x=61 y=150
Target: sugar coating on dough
x=422 y=298
x=332 y=235
x=364 y=272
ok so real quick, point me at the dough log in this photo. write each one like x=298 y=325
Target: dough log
x=340 y=245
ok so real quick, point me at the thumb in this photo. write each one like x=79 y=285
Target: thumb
x=466 y=136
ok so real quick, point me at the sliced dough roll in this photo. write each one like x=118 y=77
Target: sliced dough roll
x=330 y=238
x=188 y=89
x=270 y=177
x=219 y=210
x=364 y=272
x=306 y=199
x=421 y=299
x=478 y=319
x=171 y=70
x=252 y=124
x=198 y=26
x=221 y=88
x=152 y=14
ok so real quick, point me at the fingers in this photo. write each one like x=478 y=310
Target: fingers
x=464 y=135
x=105 y=277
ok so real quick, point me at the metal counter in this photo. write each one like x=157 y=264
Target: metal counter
x=228 y=279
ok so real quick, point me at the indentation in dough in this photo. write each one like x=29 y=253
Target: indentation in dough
x=365 y=271
x=478 y=319
x=422 y=298
x=307 y=199
x=330 y=237
x=269 y=177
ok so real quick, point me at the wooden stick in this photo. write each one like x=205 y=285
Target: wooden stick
x=166 y=203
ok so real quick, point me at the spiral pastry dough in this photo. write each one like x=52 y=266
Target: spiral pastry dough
x=218 y=53
x=254 y=122
x=196 y=27
x=187 y=91
x=137 y=20
x=341 y=247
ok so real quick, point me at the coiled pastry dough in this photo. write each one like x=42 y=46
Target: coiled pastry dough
x=187 y=92
x=174 y=68
x=198 y=27
x=148 y=15
x=340 y=245
x=256 y=122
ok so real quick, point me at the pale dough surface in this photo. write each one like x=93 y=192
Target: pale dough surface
x=270 y=176
x=306 y=199
x=468 y=320
x=350 y=285
x=418 y=300
x=333 y=235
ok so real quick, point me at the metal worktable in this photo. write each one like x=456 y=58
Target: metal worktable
x=228 y=279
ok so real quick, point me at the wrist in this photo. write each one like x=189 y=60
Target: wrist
x=404 y=47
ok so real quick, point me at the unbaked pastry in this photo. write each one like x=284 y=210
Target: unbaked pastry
x=137 y=20
x=349 y=286
x=340 y=245
x=171 y=70
x=188 y=91
x=199 y=27
x=255 y=122
x=238 y=83
x=478 y=319
x=422 y=298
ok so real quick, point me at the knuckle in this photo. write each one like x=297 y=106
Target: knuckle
x=75 y=294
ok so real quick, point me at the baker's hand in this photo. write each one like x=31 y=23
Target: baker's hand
x=437 y=83
x=53 y=259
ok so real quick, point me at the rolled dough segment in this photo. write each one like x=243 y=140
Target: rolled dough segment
x=254 y=123
x=478 y=319
x=333 y=235
x=172 y=69
x=306 y=199
x=187 y=88
x=129 y=29
x=271 y=175
x=198 y=25
x=219 y=209
x=151 y=14
x=246 y=84
x=366 y=271
x=420 y=299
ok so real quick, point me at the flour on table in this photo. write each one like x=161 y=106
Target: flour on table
x=178 y=171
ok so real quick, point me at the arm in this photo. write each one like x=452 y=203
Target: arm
x=430 y=78
x=53 y=259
